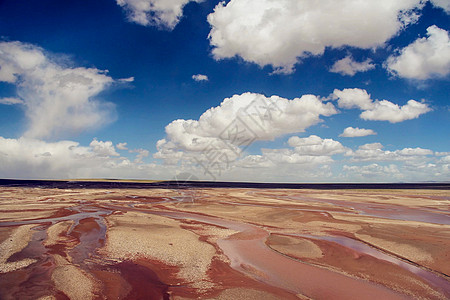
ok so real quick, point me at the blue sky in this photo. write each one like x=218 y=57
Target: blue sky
x=78 y=80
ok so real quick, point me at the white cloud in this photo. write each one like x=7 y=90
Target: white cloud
x=445 y=159
x=288 y=156
x=442 y=153
x=371 y=146
x=161 y=13
x=387 y=111
x=425 y=58
x=103 y=148
x=308 y=159
x=200 y=77
x=10 y=101
x=240 y=120
x=278 y=33
x=255 y=161
x=357 y=132
x=32 y=158
x=312 y=150
x=347 y=66
x=379 y=110
x=444 y=4
x=141 y=154
x=375 y=152
x=353 y=98
x=122 y=146
x=374 y=171
x=126 y=80
x=58 y=100
x=315 y=146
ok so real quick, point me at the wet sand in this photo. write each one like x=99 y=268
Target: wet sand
x=224 y=243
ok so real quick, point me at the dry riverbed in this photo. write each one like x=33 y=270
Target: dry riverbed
x=224 y=243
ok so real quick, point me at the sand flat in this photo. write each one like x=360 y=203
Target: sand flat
x=225 y=243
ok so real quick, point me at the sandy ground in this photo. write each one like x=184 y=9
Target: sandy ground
x=19 y=239
x=223 y=243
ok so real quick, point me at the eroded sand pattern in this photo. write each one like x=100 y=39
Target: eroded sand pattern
x=224 y=243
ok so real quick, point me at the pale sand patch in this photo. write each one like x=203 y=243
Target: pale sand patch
x=295 y=247
x=25 y=215
x=243 y=293
x=378 y=220
x=71 y=280
x=55 y=231
x=47 y=298
x=404 y=250
x=213 y=233
x=321 y=228
x=29 y=206
x=17 y=241
x=134 y=234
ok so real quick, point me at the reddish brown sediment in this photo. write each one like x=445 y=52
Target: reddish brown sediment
x=221 y=243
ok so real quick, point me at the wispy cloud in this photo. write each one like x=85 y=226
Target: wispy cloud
x=58 y=100
x=200 y=77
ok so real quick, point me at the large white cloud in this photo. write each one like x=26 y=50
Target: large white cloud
x=58 y=100
x=33 y=158
x=348 y=66
x=308 y=159
x=379 y=110
x=240 y=120
x=162 y=13
x=425 y=58
x=279 y=32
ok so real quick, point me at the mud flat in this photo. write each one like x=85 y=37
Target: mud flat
x=223 y=243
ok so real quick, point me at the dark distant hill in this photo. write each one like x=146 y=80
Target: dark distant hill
x=138 y=184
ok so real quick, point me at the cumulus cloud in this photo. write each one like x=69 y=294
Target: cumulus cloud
x=347 y=66
x=161 y=13
x=10 y=101
x=311 y=150
x=33 y=158
x=375 y=152
x=240 y=120
x=200 y=77
x=357 y=132
x=58 y=100
x=279 y=33
x=379 y=110
x=425 y=58
x=353 y=98
x=103 y=148
x=315 y=145
x=387 y=111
